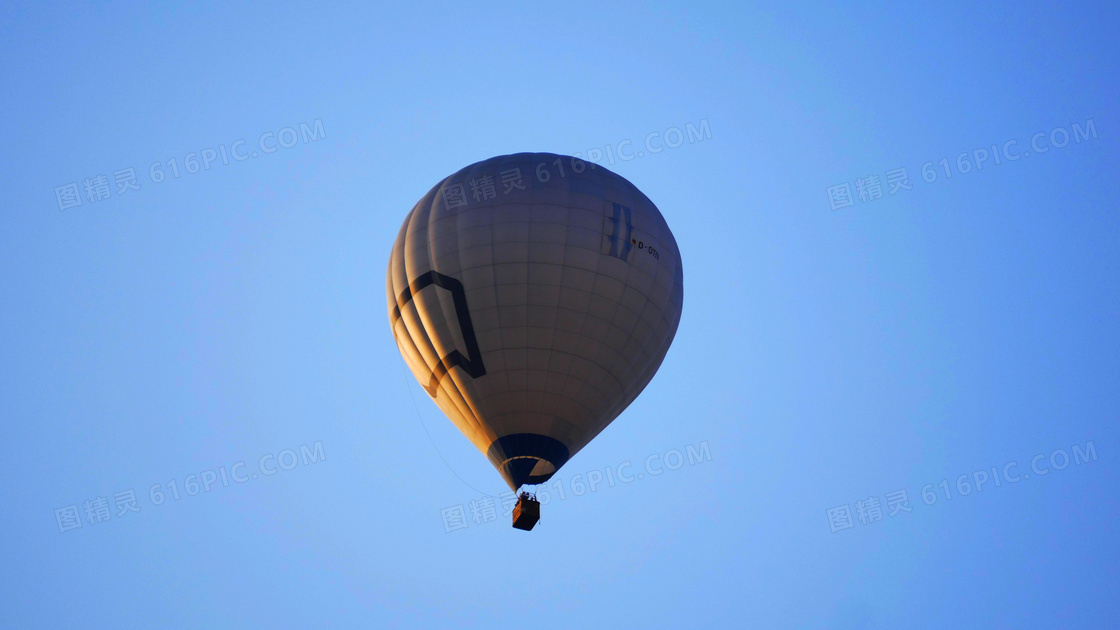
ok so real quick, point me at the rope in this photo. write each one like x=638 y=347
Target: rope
x=407 y=384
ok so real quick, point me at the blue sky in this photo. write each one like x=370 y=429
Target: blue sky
x=825 y=356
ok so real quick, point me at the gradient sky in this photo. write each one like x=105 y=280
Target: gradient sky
x=825 y=357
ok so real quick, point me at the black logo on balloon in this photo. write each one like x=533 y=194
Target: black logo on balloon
x=620 y=232
x=471 y=364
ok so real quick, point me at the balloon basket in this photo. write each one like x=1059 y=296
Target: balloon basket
x=527 y=512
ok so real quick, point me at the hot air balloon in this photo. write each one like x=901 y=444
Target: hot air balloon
x=534 y=296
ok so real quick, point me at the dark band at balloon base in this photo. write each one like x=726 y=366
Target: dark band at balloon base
x=517 y=454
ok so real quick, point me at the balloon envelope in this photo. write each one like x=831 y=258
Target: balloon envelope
x=534 y=296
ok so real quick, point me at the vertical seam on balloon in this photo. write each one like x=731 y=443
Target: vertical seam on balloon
x=618 y=239
x=420 y=308
x=453 y=390
x=454 y=393
x=468 y=392
x=568 y=208
x=465 y=391
x=401 y=254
